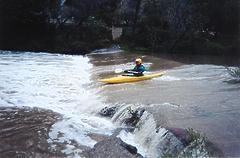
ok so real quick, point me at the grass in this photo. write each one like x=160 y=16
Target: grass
x=195 y=136
x=197 y=146
x=234 y=72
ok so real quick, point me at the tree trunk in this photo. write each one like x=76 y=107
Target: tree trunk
x=137 y=8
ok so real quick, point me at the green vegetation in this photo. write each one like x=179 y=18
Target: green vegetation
x=197 y=146
x=168 y=156
x=195 y=137
x=174 y=26
x=234 y=72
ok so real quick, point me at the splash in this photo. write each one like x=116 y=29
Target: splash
x=112 y=50
x=59 y=83
x=152 y=140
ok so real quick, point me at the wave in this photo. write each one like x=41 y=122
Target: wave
x=59 y=83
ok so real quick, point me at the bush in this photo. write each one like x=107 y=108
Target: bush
x=214 y=48
x=234 y=72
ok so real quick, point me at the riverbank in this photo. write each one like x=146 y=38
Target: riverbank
x=61 y=45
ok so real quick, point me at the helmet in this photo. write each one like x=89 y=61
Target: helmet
x=138 y=61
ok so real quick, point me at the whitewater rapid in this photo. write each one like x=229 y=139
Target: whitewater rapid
x=186 y=96
x=63 y=84
x=55 y=82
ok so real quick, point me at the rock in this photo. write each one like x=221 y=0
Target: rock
x=169 y=146
x=135 y=117
x=25 y=134
x=108 y=111
x=181 y=134
x=97 y=137
x=130 y=148
x=112 y=147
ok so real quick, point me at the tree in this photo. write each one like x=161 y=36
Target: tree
x=22 y=20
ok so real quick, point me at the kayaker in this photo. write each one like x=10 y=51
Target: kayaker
x=138 y=69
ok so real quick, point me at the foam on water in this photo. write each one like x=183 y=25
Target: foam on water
x=77 y=127
x=131 y=139
x=62 y=83
x=150 y=140
x=55 y=82
x=114 y=49
x=194 y=72
x=173 y=78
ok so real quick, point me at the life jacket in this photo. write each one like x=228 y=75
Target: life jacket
x=139 y=68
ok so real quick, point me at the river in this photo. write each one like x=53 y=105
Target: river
x=193 y=93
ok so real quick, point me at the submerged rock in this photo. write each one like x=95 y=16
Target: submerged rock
x=108 y=111
x=112 y=147
x=134 y=117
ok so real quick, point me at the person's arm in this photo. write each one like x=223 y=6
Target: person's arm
x=141 y=69
x=127 y=71
x=138 y=71
x=131 y=70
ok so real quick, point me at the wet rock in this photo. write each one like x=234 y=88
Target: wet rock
x=130 y=148
x=193 y=141
x=97 y=137
x=118 y=130
x=112 y=147
x=108 y=111
x=134 y=117
x=24 y=132
x=233 y=81
x=181 y=134
x=169 y=146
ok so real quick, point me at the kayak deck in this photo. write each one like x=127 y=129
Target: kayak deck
x=128 y=78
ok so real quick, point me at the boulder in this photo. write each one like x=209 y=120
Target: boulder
x=112 y=147
x=134 y=117
x=108 y=111
x=181 y=134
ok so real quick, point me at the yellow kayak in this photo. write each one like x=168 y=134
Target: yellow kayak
x=127 y=78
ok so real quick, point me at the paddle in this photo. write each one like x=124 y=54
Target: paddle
x=117 y=71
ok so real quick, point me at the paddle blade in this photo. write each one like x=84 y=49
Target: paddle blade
x=118 y=71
